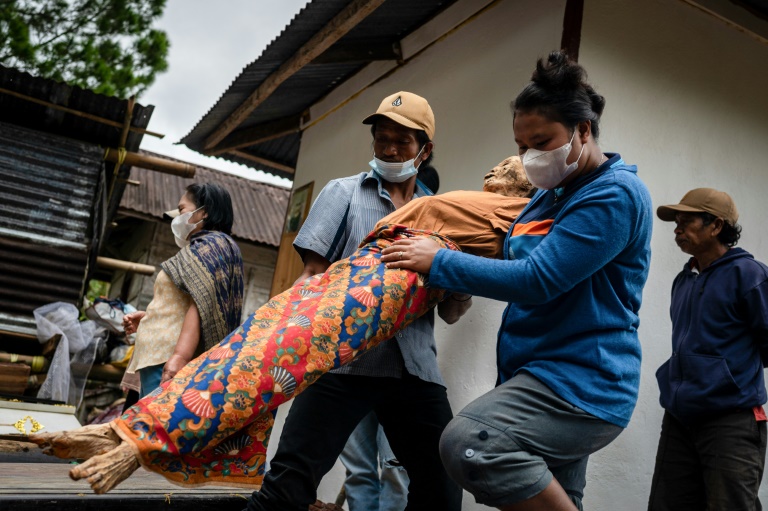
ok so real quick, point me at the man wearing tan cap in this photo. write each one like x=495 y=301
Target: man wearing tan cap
x=398 y=382
x=711 y=453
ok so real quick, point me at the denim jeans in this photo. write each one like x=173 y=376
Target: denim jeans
x=714 y=464
x=366 y=452
x=412 y=412
x=150 y=378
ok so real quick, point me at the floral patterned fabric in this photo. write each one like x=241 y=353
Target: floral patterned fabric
x=211 y=423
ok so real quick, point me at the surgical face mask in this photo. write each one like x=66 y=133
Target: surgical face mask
x=547 y=169
x=395 y=172
x=182 y=228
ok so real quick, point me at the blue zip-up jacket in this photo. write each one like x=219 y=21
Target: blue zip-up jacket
x=576 y=261
x=719 y=338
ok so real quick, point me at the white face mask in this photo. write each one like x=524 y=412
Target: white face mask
x=182 y=228
x=547 y=169
x=395 y=172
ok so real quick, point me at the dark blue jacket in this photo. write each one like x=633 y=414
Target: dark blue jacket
x=719 y=338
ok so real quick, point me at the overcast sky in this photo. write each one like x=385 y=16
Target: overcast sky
x=211 y=43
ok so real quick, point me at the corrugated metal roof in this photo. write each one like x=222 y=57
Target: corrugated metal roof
x=33 y=275
x=51 y=198
x=21 y=112
x=49 y=186
x=38 y=117
x=387 y=25
x=47 y=208
x=259 y=208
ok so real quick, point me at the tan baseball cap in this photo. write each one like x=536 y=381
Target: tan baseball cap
x=406 y=109
x=702 y=200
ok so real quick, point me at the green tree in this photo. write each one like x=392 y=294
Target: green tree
x=108 y=46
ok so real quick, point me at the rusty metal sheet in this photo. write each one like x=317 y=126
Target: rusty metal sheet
x=47 y=200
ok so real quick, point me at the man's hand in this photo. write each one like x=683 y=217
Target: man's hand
x=173 y=366
x=453 y=307
x=314 y=263
x=414 y=254
x=131 y=321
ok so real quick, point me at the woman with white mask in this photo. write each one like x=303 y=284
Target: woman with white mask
x=576 y=261
x=198 y=293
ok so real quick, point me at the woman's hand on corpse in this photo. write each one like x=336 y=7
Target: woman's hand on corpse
x=414 y=254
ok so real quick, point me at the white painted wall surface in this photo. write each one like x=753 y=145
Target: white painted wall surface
x=686 y=101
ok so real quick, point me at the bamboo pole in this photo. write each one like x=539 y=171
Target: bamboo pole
x=38 y=364
x=99 y=372
x=116 y=264
x=145 y=161
x=121 y=146
x=106 y=372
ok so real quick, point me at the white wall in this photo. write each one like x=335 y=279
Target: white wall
x=686 y=102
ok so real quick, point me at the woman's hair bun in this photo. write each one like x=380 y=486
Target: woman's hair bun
x=558 y=72
x=559 y=89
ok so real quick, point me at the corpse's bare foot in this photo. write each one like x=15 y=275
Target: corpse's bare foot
x=105 y=471
x=80 y=443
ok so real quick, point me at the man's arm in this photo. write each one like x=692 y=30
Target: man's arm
x=454 y=307
x=314 y=263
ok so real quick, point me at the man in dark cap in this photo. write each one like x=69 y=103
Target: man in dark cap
x=711 y=453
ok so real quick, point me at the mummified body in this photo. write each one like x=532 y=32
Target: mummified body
x=211 y=423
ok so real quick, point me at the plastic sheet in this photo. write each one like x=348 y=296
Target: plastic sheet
x=74 y=355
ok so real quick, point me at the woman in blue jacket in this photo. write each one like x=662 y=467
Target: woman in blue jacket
x=576 y=261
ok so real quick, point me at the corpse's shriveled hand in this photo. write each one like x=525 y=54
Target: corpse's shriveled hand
x=414 y=254
x=131 y=322
x=173 y=366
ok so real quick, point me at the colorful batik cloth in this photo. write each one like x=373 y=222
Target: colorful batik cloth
x=211 y=423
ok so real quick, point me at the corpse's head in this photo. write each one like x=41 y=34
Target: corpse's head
x=508 y=178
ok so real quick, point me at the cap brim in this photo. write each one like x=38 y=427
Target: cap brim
x=667 y=213
x=171 y=214
x=399 y=119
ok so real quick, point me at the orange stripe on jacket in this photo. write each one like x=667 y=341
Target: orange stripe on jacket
x=533 y=228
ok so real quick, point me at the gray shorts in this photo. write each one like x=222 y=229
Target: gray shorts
x=506 y=446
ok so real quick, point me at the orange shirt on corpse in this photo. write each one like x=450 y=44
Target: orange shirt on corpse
x=477 y=221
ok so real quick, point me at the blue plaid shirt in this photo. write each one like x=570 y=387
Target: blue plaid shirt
x=343 y=214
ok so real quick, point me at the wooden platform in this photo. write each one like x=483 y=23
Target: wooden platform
x=36 y=486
